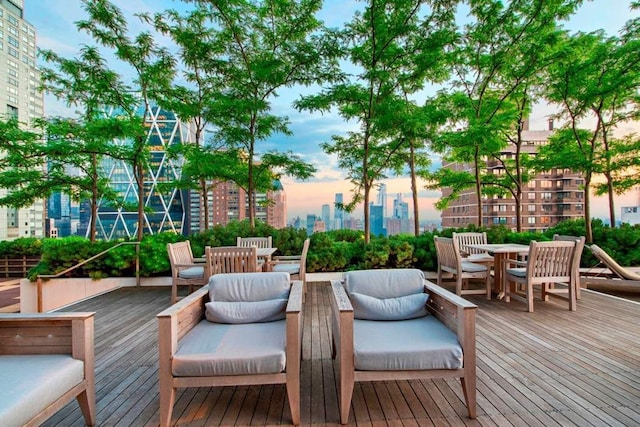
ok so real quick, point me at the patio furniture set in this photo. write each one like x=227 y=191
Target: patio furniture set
x=467 y=256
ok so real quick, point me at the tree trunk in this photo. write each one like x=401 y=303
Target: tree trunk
x=94 y=198
x=205 y=203
x=587 y=209
x=610 y=193
x=476 y=161
x=367 y=226
x=414 y=191
x=140 y=181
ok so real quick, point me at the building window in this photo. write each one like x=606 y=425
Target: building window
x=12 y=111
x=531 y=208
x=546 y=196
x=546 y=184
x=531 y=195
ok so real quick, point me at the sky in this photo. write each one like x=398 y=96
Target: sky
x=54 y=21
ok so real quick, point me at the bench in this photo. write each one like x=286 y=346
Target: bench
x=46 y=361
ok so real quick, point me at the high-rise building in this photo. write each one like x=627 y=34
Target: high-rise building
x=549 y=198
x=166 y=210
x=311 y=223
x=338 y=213
x=400 y=208
x=376 y=220
x=326 y=216
x=19 y=98
x=382 y=199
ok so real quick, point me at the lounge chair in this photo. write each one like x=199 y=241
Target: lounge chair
x=612 y=278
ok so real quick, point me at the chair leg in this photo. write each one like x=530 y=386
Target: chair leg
x=87 y=403
x=529 y=291
x=167 y=399
x=174 y=293
x=573 y=284
x=293 y=393
x=488 y=284
x=346 y=393
x=469 y=391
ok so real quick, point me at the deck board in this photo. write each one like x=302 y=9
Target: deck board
x=550 y=367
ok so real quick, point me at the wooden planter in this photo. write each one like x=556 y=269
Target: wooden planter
x=57 y=293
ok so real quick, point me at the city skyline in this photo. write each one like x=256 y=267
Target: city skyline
x=54 y=21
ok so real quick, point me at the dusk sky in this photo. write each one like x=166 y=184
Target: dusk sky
x=54 y=22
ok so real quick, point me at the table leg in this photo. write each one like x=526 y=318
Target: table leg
x=498 y=269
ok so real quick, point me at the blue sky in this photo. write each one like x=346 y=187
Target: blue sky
x=54 y=21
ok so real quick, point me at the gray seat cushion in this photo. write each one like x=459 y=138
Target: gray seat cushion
x=192 y=273
x=423 y=343
x=213 y=349
x=471 y=267
x=518 y=272
x=30 y=383
x=390 y=283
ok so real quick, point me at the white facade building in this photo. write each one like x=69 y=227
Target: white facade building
x=19 y=98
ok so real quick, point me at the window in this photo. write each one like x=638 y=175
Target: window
x=546 y=196
x=531 y=208
x=12 y=81
x=12 y=111
x=546 y=184
x=12 y=19
x=531 y=220
x=531 y=195
x=13 y=31
x=13 y=41
x=13 y=52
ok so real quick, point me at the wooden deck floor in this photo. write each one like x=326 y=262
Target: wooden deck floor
x=551 y=367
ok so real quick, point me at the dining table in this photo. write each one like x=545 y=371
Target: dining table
x=502 y=254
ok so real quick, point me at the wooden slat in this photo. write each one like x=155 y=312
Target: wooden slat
x=550 y=367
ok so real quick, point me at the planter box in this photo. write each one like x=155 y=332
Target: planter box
x=57 y=293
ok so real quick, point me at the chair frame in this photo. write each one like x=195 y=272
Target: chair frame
x=547 y=262
x=453 y=311
x=612 y=278
x=230 y=259
x=580 y=241
x=59 y=333
x=295 y=259
x=181 y=258
x=472 y=238
x=450 y=261
x=177 y=320
x=258 y=242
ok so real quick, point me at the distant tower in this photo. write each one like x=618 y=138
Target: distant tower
x=376 y=220
x=382 y=199
x=338 y=214
x=311 y=222
x=400 y=208
x=326 y=216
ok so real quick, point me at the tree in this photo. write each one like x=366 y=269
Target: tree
x=257 y=48
x=394 y=46
x=598 y=78
x=192 y=101
x=504 y=46
x=153 y=68
x=86 y=83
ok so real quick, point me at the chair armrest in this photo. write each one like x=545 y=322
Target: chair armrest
x=286 y=258
x=180 y=318
x=342 y=327
x=48 y=333
x=456 y=313
x=294 y=331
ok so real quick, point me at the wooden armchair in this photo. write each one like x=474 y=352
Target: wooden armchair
x=266 y=352
x=231 y=259
x=46 y=361
x=548 y=263
x=258 y=242
x=295 y=265
x=440 y=345
x=450 y=261
x=468 y=253
x=184 y=271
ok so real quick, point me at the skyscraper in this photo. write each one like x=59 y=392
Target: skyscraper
x=166 y=207
x=382 y=199
x=400 y=208
x=338 y=214
x=326 y=216
x=20 y=100
x=376 y=220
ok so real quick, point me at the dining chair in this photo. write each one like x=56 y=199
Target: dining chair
x=258 y=242
x=473 y=254
x=295 y=265
x=231 y=259
x=579 y=248
x=548 y=262
x=450 y=261
x=184 y=271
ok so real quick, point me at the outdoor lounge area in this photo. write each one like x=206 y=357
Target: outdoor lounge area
x=550 y=367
